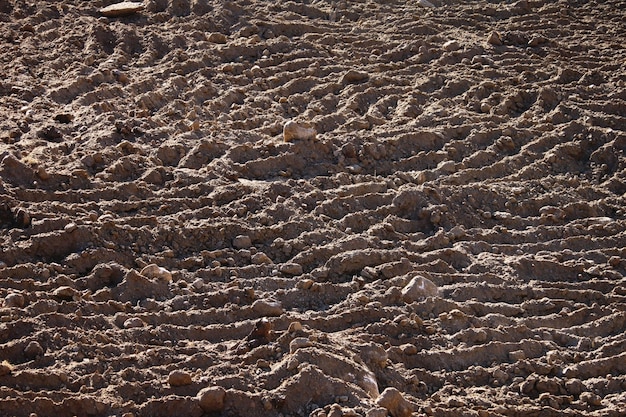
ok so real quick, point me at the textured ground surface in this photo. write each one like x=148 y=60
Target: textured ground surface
x=477 y=144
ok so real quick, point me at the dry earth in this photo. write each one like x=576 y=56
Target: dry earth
x=477 y=144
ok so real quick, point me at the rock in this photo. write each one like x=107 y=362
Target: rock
x=574 y=386
x=298 y=131
x=65 y=293
x=153 y=271
x=591 y=398
x=5 y=368
x=395 y=403
x=211 y=399
x=260 y=258
x=451 y=45
x=14 y=300
x=134 y=322
x=354 y=77
x=294 y=326
x=517 y=355
x=290 y=269
x=376 y=412
x=425 y=3
x=33 y=349
x=179 y=378
x=242 y=242
x=298 y=343
x=419 y=287
x=494 y=39
x=268 y=308
x=15 y=172
x=217 y=37
x=124 y=8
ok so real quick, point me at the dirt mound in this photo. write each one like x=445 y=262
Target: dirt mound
x=326 y=209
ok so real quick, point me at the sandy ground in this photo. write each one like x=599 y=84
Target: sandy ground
x=452 y=242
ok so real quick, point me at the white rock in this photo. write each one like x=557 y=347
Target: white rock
x=133 y=322
x=268 y=308
x=298 y=131
x=153 y=271
x=124 y=8
x=419 y=287
x=298 y=343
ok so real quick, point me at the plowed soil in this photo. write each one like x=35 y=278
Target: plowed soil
x=475 y=146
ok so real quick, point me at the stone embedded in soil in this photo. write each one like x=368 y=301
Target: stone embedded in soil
x=5 y=368
x=294 y=326
x=494 y=39
x=260 y=258
x=268 y=308
x=153 y=271
x=298 y=131
x=395 y=403
x=299 y=343
x=33 y=349
x=133 y=322
x=242 y=242
x=14 y=300
x=211 y=399
x=353 y=77
x=418 y=288
x=290 y=269
x=124 y=8
x=65 y=293
x=179 y=378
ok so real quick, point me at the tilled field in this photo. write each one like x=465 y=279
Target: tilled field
x=452 y=242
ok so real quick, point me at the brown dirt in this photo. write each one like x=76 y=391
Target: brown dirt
x=479 y=144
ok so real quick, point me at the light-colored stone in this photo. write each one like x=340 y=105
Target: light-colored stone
x=291 y=269
x=395 y=403
x=298 y=131
x=153 y=271
x=268 y=308
x=133 y=322
x=451 y=45
x=65 y=293
x=294 y=326
x=419 y=287
x=124 y=8
x=299 y=343
x=211 y=399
